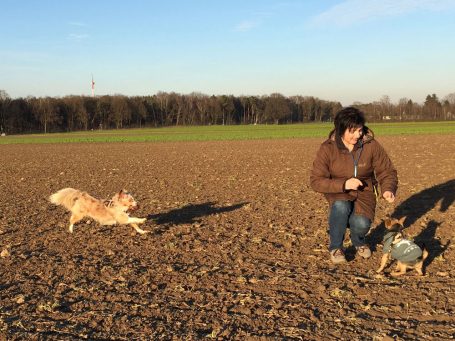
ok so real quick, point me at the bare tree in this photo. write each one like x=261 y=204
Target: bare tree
x=203 y=108
x=76 y=112
x=121 y=112
x=227 y=108
x=103 y=111
x=138 y=109
x=386 y=107
x=450 y=98
x=450 y=108
x=257 y=108
x=44 y=110
x=277 y=108
x=402 y=106
x=4 y=102
x=432 y=107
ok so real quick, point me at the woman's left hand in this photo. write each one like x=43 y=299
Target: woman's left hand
x=389 y=196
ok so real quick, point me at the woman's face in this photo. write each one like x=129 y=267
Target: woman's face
x=352 y=135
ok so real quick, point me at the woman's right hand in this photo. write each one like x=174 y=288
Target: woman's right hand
x=353 y=184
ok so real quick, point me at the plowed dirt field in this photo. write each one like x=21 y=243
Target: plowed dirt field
x=237 y=247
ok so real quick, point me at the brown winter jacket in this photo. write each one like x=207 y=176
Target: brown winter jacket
x=334 y=164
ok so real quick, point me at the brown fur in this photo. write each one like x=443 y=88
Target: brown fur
x=396 y=225
x=111 y=212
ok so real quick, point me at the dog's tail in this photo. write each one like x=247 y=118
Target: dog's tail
x=65 y=197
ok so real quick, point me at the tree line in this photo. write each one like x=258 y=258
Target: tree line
x=72 y=113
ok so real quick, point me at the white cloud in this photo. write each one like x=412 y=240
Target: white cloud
x=350 y=12
x=264 y=16
x=77 y=23
x=77 y=37
x=246 y=25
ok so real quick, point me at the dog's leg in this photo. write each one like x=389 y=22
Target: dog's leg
x=138 y=229
x=73 y=220
x=402 y=269
x=385 y=258
x=418 y=268
x=133 y=220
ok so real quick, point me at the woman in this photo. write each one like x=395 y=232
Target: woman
x=347 y=169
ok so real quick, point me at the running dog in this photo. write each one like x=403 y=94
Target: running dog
x=109 y=212
x=405 y=251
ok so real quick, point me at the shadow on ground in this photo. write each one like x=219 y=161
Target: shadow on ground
x=426 y=238
x=420 y=203
x=189 y=214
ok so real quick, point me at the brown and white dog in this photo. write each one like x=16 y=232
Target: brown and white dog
x=109 y=212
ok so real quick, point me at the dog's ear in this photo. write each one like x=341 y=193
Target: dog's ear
x=401 y=220
x=388 y=223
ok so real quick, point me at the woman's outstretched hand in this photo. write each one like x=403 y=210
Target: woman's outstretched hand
x=389 y=196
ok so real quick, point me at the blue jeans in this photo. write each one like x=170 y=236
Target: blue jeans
x=342 y=216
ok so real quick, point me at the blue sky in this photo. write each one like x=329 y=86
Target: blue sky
x=347 y=51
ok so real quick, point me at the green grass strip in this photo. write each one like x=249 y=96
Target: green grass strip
x=218 y=133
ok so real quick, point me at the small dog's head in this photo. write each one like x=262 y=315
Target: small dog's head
x=394 y=229
x=125 y=200
x=394 y=225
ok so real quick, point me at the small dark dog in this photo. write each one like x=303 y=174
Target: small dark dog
x=405 y=251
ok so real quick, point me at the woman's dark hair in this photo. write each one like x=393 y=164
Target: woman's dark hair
x=348 y=118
